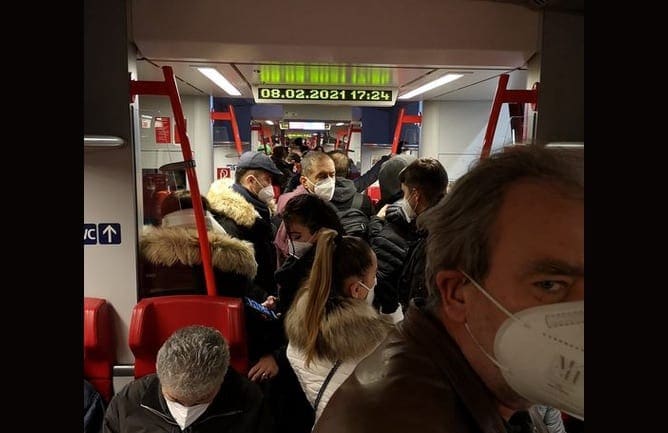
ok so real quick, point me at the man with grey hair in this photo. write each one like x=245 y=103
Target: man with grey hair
x=317 y=177
x=193 y=390
x=502 y=330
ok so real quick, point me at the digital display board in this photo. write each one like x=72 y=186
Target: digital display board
x=325 y=95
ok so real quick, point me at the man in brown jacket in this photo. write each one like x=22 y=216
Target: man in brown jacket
x=503 y=327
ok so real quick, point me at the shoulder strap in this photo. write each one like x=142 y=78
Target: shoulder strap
x=357 y=201
x=325 y=383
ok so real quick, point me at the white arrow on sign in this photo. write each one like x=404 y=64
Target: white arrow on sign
x=109 y=231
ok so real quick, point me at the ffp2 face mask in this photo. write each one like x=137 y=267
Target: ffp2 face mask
x=540 y=352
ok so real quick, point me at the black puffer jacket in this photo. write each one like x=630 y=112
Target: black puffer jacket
x=391 y=240
x=290 y=276
x=411 y=282
x=242 y=219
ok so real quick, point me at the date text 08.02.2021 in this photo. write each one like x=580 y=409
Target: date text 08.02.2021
x=325 y=94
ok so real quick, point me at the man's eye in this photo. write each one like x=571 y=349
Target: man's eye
x=551 y=285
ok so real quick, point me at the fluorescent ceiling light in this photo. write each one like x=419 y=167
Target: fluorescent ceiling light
x=432 y=85
x=307 y=125
x=269 y=122
x=215 y=76
x=339 y=124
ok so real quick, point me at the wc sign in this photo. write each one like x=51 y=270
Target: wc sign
x=103 y=234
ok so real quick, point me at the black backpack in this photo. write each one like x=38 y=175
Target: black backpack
x=354 y=221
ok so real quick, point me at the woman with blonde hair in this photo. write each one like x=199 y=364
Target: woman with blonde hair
x=331 y=325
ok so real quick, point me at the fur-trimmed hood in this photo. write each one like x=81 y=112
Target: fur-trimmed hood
x=224 y=200
x=349 y=329
x=169 y=245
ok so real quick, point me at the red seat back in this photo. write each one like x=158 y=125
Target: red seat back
x=374 y=193
x=99 y=346
x=155 y=319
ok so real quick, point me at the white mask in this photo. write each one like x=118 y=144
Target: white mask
x=185 y=415
x=299 y=248
x=266 y=194
x=540 y=352
x=324 y=188
x=370 y=295
x=407 y=209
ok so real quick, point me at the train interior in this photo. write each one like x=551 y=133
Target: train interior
x=338 y=74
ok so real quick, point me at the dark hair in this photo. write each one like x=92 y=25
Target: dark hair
x=341 y=162
x=428 y=176
x=279 y=152
x=311 y=211
x=294 y=157
x=461 y=225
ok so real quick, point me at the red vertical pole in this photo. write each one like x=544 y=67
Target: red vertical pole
x=205 y=251
x=350 y=137
x=397 y=131
x=235 y=130
x=494 y=116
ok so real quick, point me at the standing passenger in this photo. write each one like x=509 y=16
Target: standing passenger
x=394 y=237
x=503 y=328
x=170 y=260
x=317 y=177
x=331 y=325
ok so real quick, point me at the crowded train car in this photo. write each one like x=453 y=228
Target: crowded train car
x=245 y=164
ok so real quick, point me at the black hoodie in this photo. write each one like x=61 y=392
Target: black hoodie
x=344 y=191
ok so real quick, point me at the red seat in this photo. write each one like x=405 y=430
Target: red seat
x=155 y=319
x=374 y=193
x=99 y=346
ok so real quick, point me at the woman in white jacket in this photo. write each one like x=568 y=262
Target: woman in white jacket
x=331 y=325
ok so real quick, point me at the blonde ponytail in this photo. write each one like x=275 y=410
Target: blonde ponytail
x=318 y=288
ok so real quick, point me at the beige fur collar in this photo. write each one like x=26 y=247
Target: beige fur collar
x=350 y=328
x=230 y=203
x=167 y=246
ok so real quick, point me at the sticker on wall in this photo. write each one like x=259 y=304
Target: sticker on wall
x=163 y=133
x=222 y=172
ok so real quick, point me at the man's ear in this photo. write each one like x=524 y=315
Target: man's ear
x=302 y=180
x=450 y=284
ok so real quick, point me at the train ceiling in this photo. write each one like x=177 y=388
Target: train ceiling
x=400 y=45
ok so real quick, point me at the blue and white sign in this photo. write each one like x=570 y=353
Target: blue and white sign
x=106 y=234
x=90 y=234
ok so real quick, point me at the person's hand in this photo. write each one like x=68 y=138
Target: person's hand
x=265 y=369
x=381 y=212
x=270 y=302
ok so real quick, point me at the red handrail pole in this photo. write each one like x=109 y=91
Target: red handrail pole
x=494 y=116
x=397 y=131
x=205 y=251
x=350 y=137
x=235 y=130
